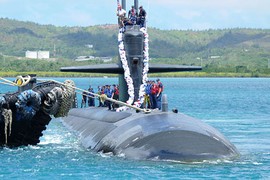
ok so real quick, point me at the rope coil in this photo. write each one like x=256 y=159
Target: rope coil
x=68 y=95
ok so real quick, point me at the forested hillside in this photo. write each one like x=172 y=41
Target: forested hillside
x=227 y=50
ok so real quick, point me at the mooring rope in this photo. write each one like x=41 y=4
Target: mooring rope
x=103 y=97
x=7 y=82
x=20 y=81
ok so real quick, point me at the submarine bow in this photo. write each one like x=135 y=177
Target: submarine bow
x=158 y=135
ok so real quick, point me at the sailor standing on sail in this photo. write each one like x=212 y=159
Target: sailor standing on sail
x=132 y=15
x=142 y=16
x=121 y=13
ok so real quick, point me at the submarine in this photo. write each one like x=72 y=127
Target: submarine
x=136 y=133
x=131 y=131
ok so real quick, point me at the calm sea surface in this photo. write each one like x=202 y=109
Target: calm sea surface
x=237 y=107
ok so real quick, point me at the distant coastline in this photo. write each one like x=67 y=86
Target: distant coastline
x=29 y=47
x=178 y=74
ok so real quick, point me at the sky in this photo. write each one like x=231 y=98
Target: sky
x=162 y=14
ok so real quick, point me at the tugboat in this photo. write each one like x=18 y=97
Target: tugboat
x=26 y=113
x=138 y=133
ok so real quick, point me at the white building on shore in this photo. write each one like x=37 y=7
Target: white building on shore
x=37 y=54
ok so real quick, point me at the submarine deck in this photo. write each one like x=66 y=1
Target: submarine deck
x=165 y=135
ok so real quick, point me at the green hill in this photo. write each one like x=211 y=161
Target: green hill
x=227 y=50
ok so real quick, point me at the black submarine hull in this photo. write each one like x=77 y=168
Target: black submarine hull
x=155 y=136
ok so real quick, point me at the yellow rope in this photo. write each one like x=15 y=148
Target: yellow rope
x=7 y=82
x=20 y=81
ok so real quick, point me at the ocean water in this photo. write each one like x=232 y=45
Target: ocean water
x=237 y=107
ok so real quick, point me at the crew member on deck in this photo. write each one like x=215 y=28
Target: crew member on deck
x=147 y=102
x=84 y=99
x=91 y=97
x=115 y=96
x=109 y=93
x=100 y=92
x=153 y=95
x=159 y=93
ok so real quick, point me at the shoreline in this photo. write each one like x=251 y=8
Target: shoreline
x=164 y=75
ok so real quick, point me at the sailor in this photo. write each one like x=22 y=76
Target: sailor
x=84 y=98
x=147 y=102
x=109 y=93
x=115 y=96
x=159 y=93
x=121 y=13
x=142 y=16
x=100 y=92
x=127 y=21
x=132 y=15
x=153 y=95
x=106 y=93
x=91 y=97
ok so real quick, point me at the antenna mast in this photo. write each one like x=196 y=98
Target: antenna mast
x=124 y=4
